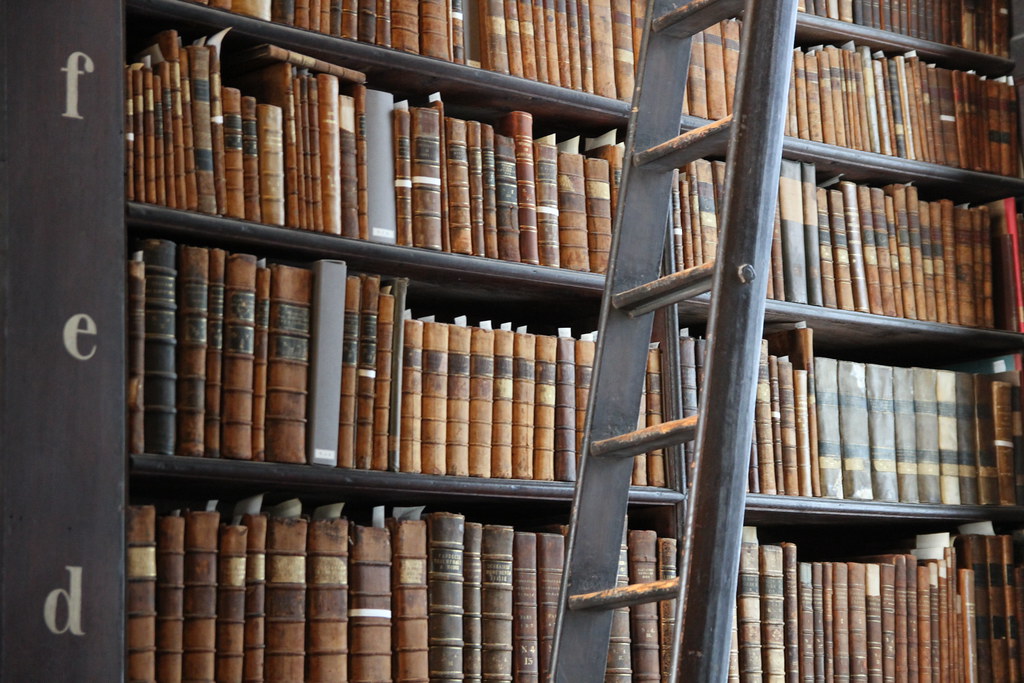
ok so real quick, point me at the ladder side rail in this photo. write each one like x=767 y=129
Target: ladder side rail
x=592 y=549
x=714 y=514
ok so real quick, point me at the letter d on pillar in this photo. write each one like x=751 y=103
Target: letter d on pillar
x=73 y=599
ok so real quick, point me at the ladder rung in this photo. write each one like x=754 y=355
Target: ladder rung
x=624 y=596
x=709 y=140
x=646 y=439
x=695 y=16
x=673 y=288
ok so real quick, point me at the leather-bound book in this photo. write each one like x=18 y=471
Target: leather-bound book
x=169 y=46
x=217 y=131
x=366 y=21
x=285 y=593
x=255 y=596
x=426 y=175
x=383 y=390
x=481 y=393
x=496 y=603
x=348 y=159
x=925 y=643
x=853 y=420
x=949 y=468
x=471 y=617
x=490 y=198
x=494 y=54
x=552 y=39
x=585 y=349
x=840 y=620
x=572 y=213
x=401 y=129
x=502 y=412
x=829 y=443
x=821 y=639
x=544 y=408
x=458 y=401
x=170 y=587
x=569 y=32
x=806 y=433
x=546 y=166
x=192 y=297
x=904 y=251
x=583 y=17
x=971 y=554
x=829 y=293
x=524 y=607
x=599 y=218
x=160 y=341
x=409 y=600
x=349 y=372
x=787 y=421
x=507 y=198
x=748 y=608
x=927 y=421
x=602 y=48
x=433 y=28
x=231 y=560
x=792 y=228
x=882 y=430
x=199 y=599
x=366 y=364
x=369 y=613
x=405 y=26
x=858 y=615
x=565 y=409
x=540 y=41
x=763 y=426
x=288 y=363
x=327 y=600
x=349 y=20
x=259 y=364
x=886 y=277
x=652 y=390
x=527 y=41
x=412 y=397
x=643 y=564
x=623 y=60
x=523 y=396
x=435 y=400
x=924 y=218
x=460 y=234
x=840 y=252
x=855 y=247
x=906 y=435
x=328 y=147
x=234 y=167
x=237 y=356
x=261 y=9
x=916 y=253
x=550 y=560
x=477 y=190
x=199 y=77
x=668 y=562
x=807 y=647
x=270 y=141
x=773 y=642
x=967 y=466
x=791 y=607
x=1002 y=442
x=445 y=538
x=513 y=47
x=136 y=287
x=140 y=593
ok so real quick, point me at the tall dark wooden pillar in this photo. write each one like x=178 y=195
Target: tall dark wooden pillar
x=62 y=462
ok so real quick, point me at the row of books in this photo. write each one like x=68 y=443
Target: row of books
x=868 y=249
x=982 y=26
x=282 y=596
x=944 y=614
x=899 y=105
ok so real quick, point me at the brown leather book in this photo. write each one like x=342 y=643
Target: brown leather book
x=652 y=391
x=924 y=634
x=285 y=595
x=971 y=554
x=574 y=44
x=140 y=592
x=544 y=408
x=938 y=252
x=602 y=48
x=169 y=46
x=472 y=634
x=159 y=370
x=667 y=569
x=858 y=620
x=507 y=198
x=502 y=414
x=255 y=594
x=170 y=587
x=565 y=409
x=132 y=129
x=494 y=54
x=328 y=116
x=886 y=304
x=585 y=349
x=199 y=599
x=702 y=183
x=366 y=364
x=327 y=600
x=829 y=293
x=905 y=246
x=433 y=28
x=547 y=210
x=369 y=614
x=496 y=603
x=193 y=269
x=460 y=235
x=362 y=154
x=366 y=21
x=199 y=77
x=512 y=38
x=348 y=158
x=714 y=69
x=1002 y=422
x=383 y=374
x=584 y=21
x=288 y=363
x=445 y=532
x=270 y=141
x=748 y=609
x=841 y=619
x=259 y=364
x=217 y=131
x=540 y=40
x=855 y=247
x=984 y=441
x=776 y=399
x=806 y=432
x=349 y=373
x=524 y=607
x=435 y=401
x=643 y=619
x=490 y=198
x=237 y=356
x=231 y=560
x=599 y=217
x=458 y=401
x=412 y=397
x=234 y=171
x=919 y=253
x=481 y=393
x=772 y=594
x=524 y=377
x=840 y=252
x=403 y=175
x=787 y=422
x=426 y=174
x=405 y=23
x=409 y=600
x=966 y=309
x=791 y=605
x=550 y=560
x=623 y=61
x=475 y=150
x=895 y=265
x=152 y=158
x=763 y=427
x=527 y=38
x=696 y=103
x=572 y=213
x=548 y=11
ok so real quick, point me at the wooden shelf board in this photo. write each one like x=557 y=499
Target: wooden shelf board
x=791 y=510
x=162 y=471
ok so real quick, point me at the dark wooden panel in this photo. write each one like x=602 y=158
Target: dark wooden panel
x=62 y=417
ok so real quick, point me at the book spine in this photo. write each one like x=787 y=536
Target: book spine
x=435 y=402
x=366 y=364
x=471 y=617
x=234 y=163
x=546 y=160
x=170 y=587
x=460 y=231
x=565 y=410
x=349 y=372
x=550 y=560
x=458 y=401
x=524 y=379
x=773 y=617
x=507 y=198
x=140 y=593
x=412 y=397
x=270 y=143
x=926 y=416
x=496 y=603
x=426 y=178
x=544 y=408
x=230 y=638
x=237 y=356
x=255 y=597
x=906 y=435
x=502 y=413
x=369 y=609
x=572 y=213
x=409 y=600
x=445 y=533
x=193 y=268
x=384 y=386
x=285 y=595
x=327 y=600
x=159 y=377
x=199 y=598
x=599 y=217
x=481 y=392
x=644 y=637
x=524 y=607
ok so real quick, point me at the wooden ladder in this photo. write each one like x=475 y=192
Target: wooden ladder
x=712 y=516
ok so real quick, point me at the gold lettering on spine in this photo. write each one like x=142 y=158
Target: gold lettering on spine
x=286 y=569
x=141 y=563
